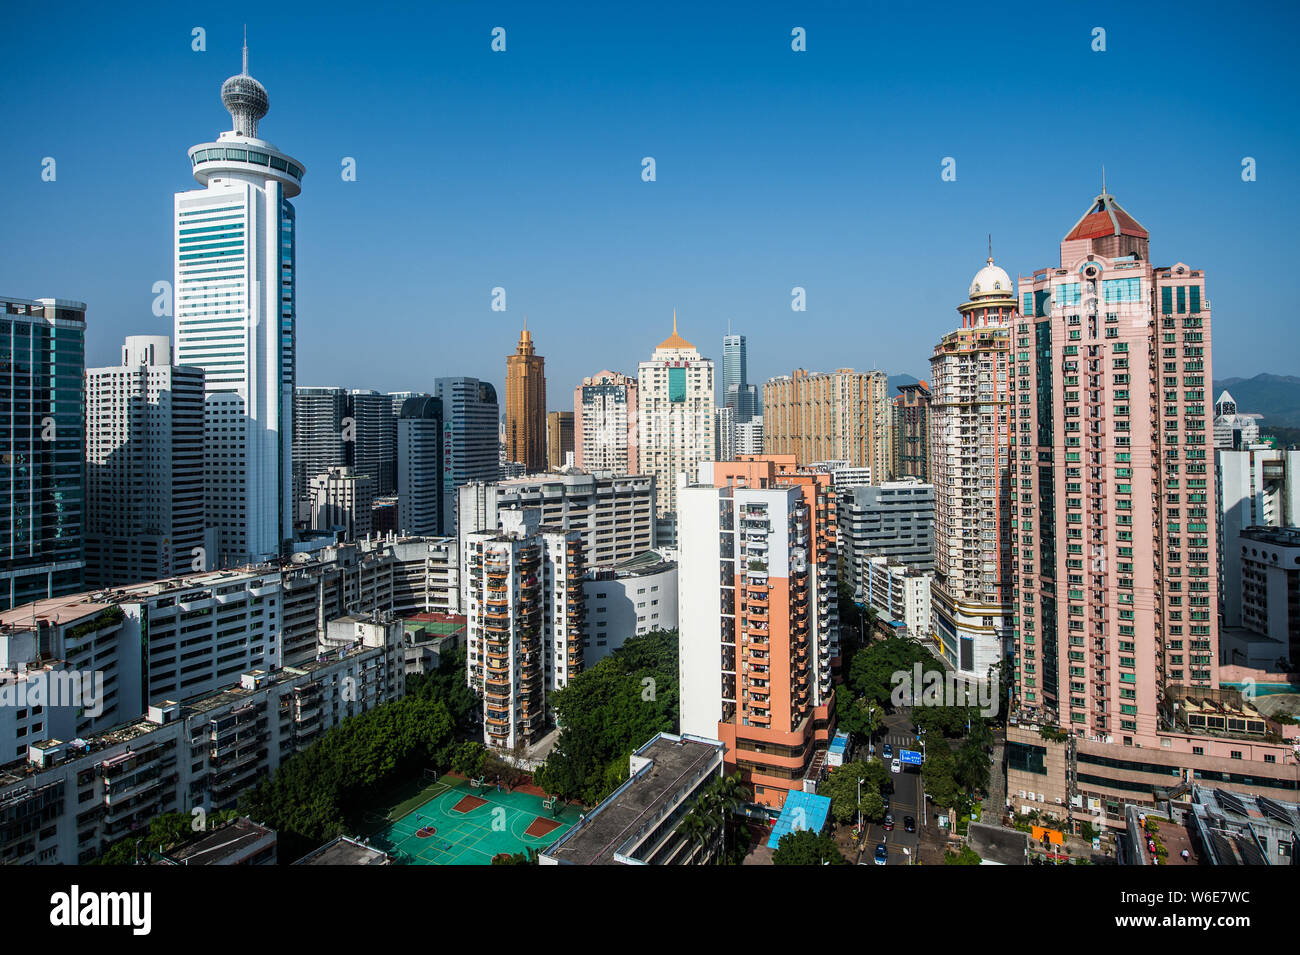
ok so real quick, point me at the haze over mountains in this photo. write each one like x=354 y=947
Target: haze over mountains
x=1276 y=397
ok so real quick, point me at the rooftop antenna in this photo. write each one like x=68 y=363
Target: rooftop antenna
x=1103 y=179
x=990 y=248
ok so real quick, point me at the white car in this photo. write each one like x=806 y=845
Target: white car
x=896 y=766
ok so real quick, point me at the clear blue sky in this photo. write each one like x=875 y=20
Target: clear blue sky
x=775 y=169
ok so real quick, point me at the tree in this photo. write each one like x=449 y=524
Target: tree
x=321 y=792
x=806 y=847
x=528 y=857
x=971 y=766
x=447 y=684
x=876 y=668
x=967 y=856
x=468 y=759
x=857 y=716
x=940 y=770
x=842 y=788
x=607 y=712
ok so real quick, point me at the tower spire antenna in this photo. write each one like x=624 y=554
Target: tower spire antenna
x=1103 y=179
x=990 y=248
x=674 y=321
x=245 y=70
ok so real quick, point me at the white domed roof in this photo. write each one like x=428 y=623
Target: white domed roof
x=991 y=280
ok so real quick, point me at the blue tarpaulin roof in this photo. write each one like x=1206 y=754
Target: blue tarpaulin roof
x=801 y=811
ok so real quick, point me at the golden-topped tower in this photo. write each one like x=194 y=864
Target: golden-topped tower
x=526 y=405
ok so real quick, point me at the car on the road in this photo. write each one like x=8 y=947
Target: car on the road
x=909 y=824
x=889 y=822
x=888 y=751
x=896 y=767
x=884 y=798
x=882 y=854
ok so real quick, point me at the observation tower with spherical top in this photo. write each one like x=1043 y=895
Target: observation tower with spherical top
x=235 y=317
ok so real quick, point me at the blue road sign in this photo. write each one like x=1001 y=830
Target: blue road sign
x=910 y=757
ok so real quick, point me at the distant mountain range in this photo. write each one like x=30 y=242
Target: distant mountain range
x=896 y=380
x=1276 y=397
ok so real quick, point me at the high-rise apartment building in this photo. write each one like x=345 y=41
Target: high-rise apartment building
x=525 y=616
x=235 y=319
x=605 y=422
x=42 y=520
x=737 y=393
x=674 y=420
x=724 y=434
x=969 y=435
x=559 y=439
x=470 y=446
x=1114 y=539
x=749 y=436
x=911 y=438
x=525 y=436
x=419 y=466
x=758 y=617
x=1256 y=488
x=144 y=467
x=845 y=415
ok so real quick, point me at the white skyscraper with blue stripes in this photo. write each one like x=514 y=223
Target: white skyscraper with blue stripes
x=234 y=318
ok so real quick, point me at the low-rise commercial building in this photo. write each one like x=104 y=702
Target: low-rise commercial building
x=637 y=823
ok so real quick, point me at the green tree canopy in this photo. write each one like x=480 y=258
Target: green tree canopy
x=806 y=847
x=608 y=711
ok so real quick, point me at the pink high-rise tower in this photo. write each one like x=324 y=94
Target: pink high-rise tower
x=1112 y=467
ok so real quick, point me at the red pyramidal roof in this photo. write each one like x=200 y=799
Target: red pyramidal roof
x=1106 y=217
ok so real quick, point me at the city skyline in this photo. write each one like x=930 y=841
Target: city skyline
x=703 y=244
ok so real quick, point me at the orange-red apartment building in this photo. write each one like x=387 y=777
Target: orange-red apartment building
x=758 y=618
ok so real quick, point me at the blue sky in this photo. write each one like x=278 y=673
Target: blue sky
x=774 y=169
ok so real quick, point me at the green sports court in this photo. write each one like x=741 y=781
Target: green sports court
x=460 y=825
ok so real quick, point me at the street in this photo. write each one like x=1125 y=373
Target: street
x=904 y=801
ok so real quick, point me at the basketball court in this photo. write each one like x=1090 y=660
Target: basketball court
x=462 y=825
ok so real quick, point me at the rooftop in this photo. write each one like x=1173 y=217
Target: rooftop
x=1106 y=217
x=675 y=762
x=345 y=851
x=232 y=839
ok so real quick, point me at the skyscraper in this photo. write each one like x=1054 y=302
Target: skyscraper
x=911 y=422
x=969 y=434
x=235 y=316
x=144 y=467
x=419 y=466
x=559 y=438
x=526 y=405
x=1115 y=571
x=841 y=416
x=469 y=440
x=318 y=440
x=373 y=448
x=605 y=422
x=674 y=420
x=42 y=359
x=737 y=392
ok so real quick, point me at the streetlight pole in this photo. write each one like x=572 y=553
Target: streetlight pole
x=860 y=812
x=924 y=815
